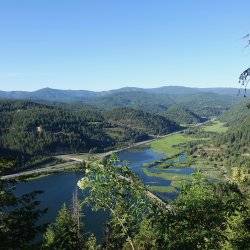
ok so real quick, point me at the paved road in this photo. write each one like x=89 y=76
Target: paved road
x=73 y=159
x=50 y=169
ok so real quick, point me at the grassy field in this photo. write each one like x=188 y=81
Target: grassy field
x=173 y=145
x=169 y=144
x=216 y=127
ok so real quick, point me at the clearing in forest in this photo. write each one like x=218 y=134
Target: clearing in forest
x=169 y=144
x=216 y=127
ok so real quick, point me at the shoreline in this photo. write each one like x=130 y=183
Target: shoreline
x=73 y=159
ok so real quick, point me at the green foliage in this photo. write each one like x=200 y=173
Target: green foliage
x=35 y=129
x=18 y=218
x=31 y=131
x=182 y=115
x=201 y=218
x=237 y=139
x=138 y=99
x=118 y=191
x=206 y=104
x=205 y=215
x=238 y=136
x=139 y=120
x=147 y=237
x=202 y=210
x=64 y=233
x=6 y=164
x=237 y=113
x=67 y=231
x=123 y=135
x=91 y=243
x=237 y=232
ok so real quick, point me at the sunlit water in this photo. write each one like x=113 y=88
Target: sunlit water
x=58 y=188
x=136 y=157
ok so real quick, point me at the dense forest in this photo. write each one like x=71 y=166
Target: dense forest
x=33 y=130
x=183 y=115
x=203 y=104
x=30 y=130
x=237 y=138
x=203 y=101
x=136 y=119
x=236 y=143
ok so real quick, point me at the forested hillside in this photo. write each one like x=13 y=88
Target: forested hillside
x=29 y=129
x=49 y=94
x=180 y=114
x=142 y=100
x=238 y=136
x=207 y=104
x=203 y=102
x=146 y=122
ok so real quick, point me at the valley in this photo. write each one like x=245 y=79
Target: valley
x=72 y=161
x=51 y=148
x=124 y=125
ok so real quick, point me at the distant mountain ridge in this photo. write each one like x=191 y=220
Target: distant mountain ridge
x=203 y=102
x=49 y=94
x=59 y=95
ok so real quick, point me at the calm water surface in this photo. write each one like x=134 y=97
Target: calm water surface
x=58 y=188
x=136 y=157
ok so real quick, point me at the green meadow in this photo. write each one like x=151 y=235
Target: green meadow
x=170 y=144
x=215 y=127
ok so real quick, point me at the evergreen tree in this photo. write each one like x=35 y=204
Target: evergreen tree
x=18 y=218
x=64 y=233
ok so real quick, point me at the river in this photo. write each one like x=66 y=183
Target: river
x=58 y=188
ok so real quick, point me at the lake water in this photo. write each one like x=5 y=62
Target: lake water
x=58 y=188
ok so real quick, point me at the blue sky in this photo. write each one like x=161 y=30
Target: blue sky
x=106 y=44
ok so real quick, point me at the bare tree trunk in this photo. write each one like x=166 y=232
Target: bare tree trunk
x=76 y=210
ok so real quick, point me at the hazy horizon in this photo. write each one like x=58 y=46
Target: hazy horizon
x=122 y=87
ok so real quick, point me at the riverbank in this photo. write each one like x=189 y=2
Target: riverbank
x=71 y=160
x=182 y=154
